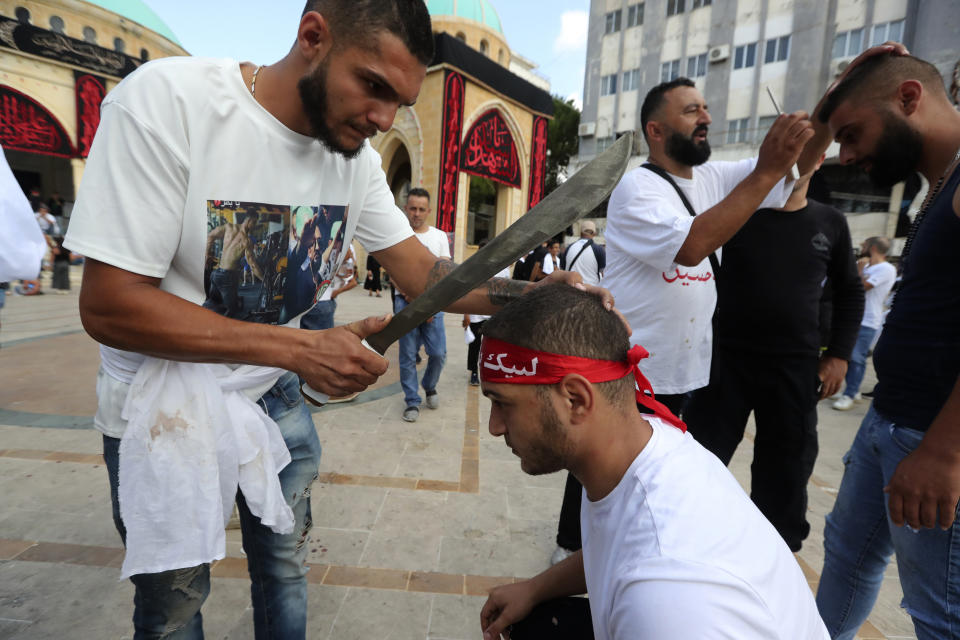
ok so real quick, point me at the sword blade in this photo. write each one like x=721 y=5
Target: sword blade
x=573 y=199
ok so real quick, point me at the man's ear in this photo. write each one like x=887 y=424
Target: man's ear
x=579 y=396
x=654 y=131
x=314 y=39
x=908 y=96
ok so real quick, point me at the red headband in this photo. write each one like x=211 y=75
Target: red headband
x=502 y=362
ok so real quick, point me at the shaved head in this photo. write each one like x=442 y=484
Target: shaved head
x=879 y=77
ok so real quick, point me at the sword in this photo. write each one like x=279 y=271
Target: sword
x=568 y=203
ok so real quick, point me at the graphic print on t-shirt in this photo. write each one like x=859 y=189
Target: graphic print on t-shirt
x=269 y=263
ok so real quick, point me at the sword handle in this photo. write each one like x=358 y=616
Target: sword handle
x=317 y=398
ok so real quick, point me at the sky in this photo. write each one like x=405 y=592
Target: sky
x=551 y=33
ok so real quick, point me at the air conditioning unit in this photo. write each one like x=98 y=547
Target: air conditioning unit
x=587 y=129
x=719 y=53
x=838 y=66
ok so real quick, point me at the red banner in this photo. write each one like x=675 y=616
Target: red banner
x=489 y=152
x=90 y=92
x=25 y=125
x=453 y=90
x=538 y=161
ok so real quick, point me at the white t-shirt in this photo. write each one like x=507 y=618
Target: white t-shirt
x=586 y=264
x=436 y=241
x=547 y=266
x=183 y=156
x=882 y=276
x=669 y=306
x=678 y=551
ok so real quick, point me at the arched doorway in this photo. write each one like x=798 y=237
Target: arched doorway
x=400 y=174
x=481 y=210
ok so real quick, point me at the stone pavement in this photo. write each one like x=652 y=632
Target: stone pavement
x=413 y=522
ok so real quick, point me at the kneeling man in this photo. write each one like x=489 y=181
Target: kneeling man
x=672 y=546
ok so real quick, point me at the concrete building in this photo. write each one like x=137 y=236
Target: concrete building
x=734 y=50
x=58 y=59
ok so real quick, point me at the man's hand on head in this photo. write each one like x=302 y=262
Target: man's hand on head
x=896 y=48
x=335 y=361
x=575 y=280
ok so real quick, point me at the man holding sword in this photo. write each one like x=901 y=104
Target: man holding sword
x=207 y=136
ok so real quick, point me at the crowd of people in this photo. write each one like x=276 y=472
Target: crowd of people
x=717 y=270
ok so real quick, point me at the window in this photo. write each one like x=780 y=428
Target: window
x=763 y=125
x=484 y=47
x=674 y=7
x=608 y=85
x=847 y=43
x=481 y=210
x=669 y=71
x=144 y=55
x=500 y=56
x=701 y=3
x=887 y=31
x=737 y=131
x=56 y=24
x=613 y=21
x=461 y=36
x=631 y=80
x=697 y=66
x=778 y=49
x=635 y=15
x=90 y=35
x=604 y=143
x=22 y=14
x=745 y=56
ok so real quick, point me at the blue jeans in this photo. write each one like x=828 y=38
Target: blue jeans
x=858 y=360
x=859 y=539
x=434 y=339
x=167 y=605
x=320 y=317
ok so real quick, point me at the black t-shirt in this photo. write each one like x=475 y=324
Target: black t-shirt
x=918 y=356
x=772 y=277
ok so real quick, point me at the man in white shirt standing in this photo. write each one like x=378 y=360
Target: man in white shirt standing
x=585 y=256
x=659 y=265
x=673 y=548
x=878 y=278
x=214 y=140
x=430 y=333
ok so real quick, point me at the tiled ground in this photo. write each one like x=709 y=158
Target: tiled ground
x=414 y=522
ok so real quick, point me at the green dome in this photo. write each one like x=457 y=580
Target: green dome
x=478 y=10
x=137 y=11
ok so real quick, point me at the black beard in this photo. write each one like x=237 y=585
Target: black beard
x=313 y=93
x=685 y=151
x=896 y=154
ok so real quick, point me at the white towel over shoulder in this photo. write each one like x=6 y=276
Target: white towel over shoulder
x=193 y=437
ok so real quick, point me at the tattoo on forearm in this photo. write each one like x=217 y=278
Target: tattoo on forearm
x=439 y=271
x=500 y=291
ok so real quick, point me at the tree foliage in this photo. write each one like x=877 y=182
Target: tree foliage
x=562 y=141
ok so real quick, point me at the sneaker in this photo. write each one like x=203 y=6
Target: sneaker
x=433 y=400
x=411 y=413
x=836 y=396
x=474 y=379
x=844 y=403
x=559 y=555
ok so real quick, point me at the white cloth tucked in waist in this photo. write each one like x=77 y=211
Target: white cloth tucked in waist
x=193 y=436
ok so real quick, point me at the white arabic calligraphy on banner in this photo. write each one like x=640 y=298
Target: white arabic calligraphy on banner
x=508 y=371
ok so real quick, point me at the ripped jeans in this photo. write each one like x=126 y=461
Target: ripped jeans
x=167 y=605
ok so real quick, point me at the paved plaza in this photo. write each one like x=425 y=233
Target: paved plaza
x=413 y=522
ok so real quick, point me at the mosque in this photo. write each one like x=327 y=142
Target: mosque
x=476 y=139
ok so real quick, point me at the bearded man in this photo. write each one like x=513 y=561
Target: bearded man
x=203 y=134
x=665 y=224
